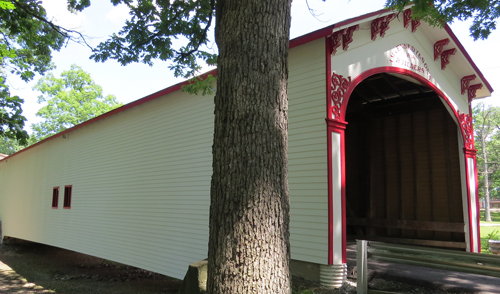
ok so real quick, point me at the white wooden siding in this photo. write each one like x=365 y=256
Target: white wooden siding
x=141 y=182
x=141 y=179
x=307 y=153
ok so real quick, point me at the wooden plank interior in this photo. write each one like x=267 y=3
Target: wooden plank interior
x=408 y=224
x=402 y=167
x=432 y=243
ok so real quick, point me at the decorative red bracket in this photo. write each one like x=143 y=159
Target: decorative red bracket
x=384 y=26
x=335 y=40
x=465 y=81
x=381 y=25
x=407 y=17
x=468 y=131
x=438 y=47
x=407 y=20
x=342 y=36
x=414 y=24
x=338 y=88
x=445 y=57
x=472 y=91
x=347 y=38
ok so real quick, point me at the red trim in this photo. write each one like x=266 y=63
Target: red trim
x=468 y=152
x=336 y=40
x=465 y=83
x=328 y=67
x=330 y=196
x=334 y=126
x=439 y=47
x=325 y=32
x=445 y=57
x=313 y=36
x=477 y=190
x=68 y=193
x=471 y=91
x=398 y=70
x=55 y=198
x=478 y=240
x=318 y=34
x=467 y=181
x=347 y=37
x=466 y=55
x=338 y=127
x=407 y=17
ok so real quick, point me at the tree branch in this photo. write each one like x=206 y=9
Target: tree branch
x=204 y=34
x=66 y=33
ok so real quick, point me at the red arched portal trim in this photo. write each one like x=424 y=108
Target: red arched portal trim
x=398 y=70
x=474 y=240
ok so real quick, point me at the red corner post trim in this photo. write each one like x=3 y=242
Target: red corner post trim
x=477 y=207
x=336 y=126
x=328 y=67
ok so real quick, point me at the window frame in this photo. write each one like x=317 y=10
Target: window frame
x=55 y=197
x=68 y=191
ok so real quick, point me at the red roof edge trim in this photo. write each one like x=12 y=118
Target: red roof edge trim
x=324 y=32
x=135 y=103
x=467 y=56
x=318 y=34
x=315 y=35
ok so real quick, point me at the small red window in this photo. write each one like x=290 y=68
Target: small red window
x=55 y=197
x=67 y=196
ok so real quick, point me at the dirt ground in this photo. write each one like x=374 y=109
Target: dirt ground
x=27 y=268
x=48 y=269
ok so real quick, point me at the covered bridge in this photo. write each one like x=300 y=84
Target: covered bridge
x=381 y=147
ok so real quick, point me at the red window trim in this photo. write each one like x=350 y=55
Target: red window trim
x=55 y=197
x=68 y=189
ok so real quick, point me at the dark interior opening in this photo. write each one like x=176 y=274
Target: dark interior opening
x=403 y=180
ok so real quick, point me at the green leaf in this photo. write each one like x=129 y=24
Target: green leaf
x=6 y=5
x=71 y=99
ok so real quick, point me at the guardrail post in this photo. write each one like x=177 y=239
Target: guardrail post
x=362 y=266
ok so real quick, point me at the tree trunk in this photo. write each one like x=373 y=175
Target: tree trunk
x=249 y=249
x=487 y=214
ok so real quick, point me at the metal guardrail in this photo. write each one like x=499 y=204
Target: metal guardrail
x=467 y=262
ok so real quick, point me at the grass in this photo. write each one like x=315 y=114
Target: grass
x=495 y=217
x=488 y=232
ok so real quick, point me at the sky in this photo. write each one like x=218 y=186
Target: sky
x=134 y=81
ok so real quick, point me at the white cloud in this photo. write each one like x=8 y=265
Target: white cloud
x=118 y=14
x=57 y=11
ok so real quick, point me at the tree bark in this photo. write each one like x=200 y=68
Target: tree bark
x=249 y=249
x=487 y=213
x=483 y=134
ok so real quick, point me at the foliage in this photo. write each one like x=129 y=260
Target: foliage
x=493 y=234
x=151 y=34
x=9 y=146
x=11 y=118
x=27 y=39
x=6 y=5
x=71 y=100
x=495 y=216
x=487 y=142
x=484 y=13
